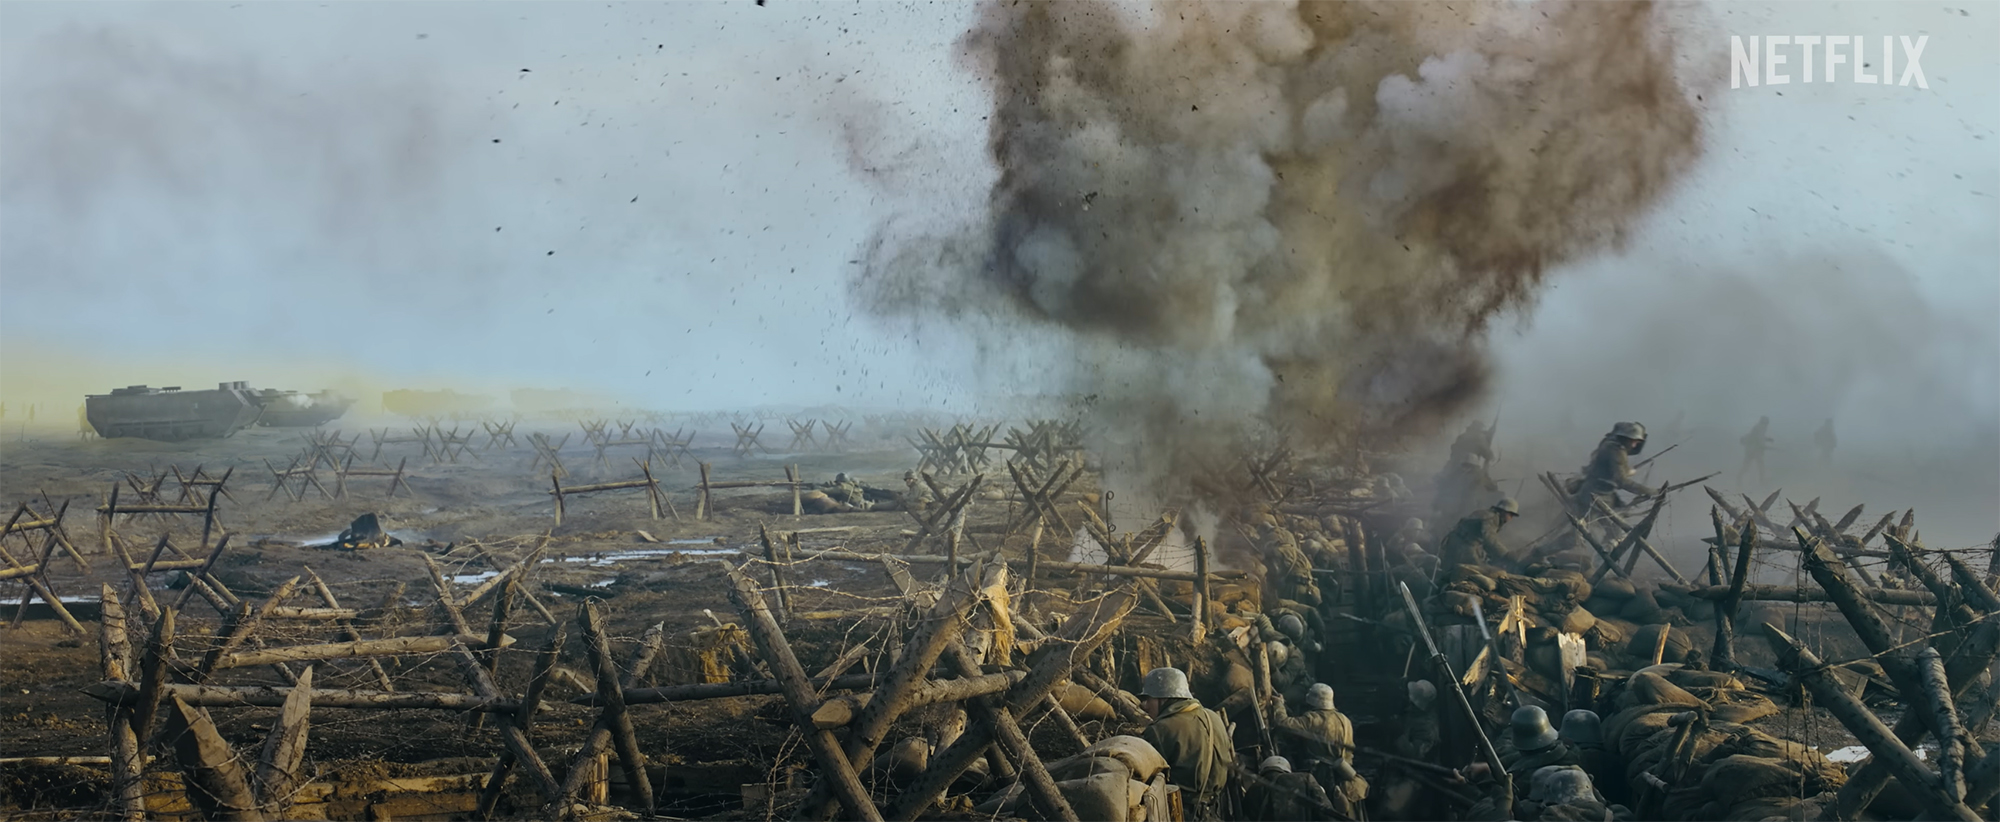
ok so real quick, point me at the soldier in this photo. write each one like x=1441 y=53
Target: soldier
x=1461 y=488
x=1824 y=440
x=1193 y=740
x=1536 y=743
x=1404 y=793
x=1289 y=570
x=1476 y=441
x=1582 y=729
x=1288 y=797
x=1420 y=723
x=1324 y=735
x=1476 y=539
x=1610 y=469
x=1349 y=791
x=1755 y=444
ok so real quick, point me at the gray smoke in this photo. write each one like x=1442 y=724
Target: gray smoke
x=1225 y=218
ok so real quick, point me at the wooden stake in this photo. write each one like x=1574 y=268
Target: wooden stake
x=277 y=776
x=1091 y=624
x=215 y=781
x=770 y=639
x=523 y=718
x=613 y=696
x=1866 y=727
x=600 y=734
x=152 y=674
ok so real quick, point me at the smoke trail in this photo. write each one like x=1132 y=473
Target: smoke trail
x=1227 y=217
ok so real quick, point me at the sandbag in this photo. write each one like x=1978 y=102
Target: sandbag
x=1742 y=777
x=1576 y=585
x=1138 y=756
x=1641 y=645
x=1615 y=588
x=1578 y=620
x=1108 y=797
x=1641 y=608
x=1082 y=703
x=1653 y=689
x=1742 y=707
x=1635 y=722
x=1704 y=679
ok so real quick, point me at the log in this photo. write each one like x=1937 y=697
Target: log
x=513 y=736
x=777 y=573
x=1963 y=670
x=114 y=648
x=1951 y=744
x=612 y=696
x=125 y=694
x=523 y=718
x=1786 y=593
x=128 y=768
x=724 y=690
x=138 y=580
x=600 y=735
x=1088 y=627
x=215 y=781
x=1724 y=650
x=237 y=630
x=998 y=721
x=1147 y=573
x=1866 y=727
x=940 y=628
x=1199 y=624
x=358 y=648
x=347 y=631
x=770 y=639
x=277 y=775
x=152 y=674
x=1831 y=574
x=20 y=571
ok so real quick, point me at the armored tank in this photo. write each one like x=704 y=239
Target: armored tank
x=170 y=414
x=294 y=409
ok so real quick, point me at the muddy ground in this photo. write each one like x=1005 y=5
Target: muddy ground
x=492 y=499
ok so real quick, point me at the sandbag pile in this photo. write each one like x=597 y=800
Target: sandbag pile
x=1119 y=779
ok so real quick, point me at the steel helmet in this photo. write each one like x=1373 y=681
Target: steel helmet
x=1531 y=729
x=1507 y=505
x=1320 y=697
x=1422 y=693
x=1582 y=727
x=1275 y=763
x=1413 y=524
x=1279 y=651
x=1166 y=683
x=1292 y=626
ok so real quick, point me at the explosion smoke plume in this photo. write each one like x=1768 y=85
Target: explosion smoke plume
x=1245 y=215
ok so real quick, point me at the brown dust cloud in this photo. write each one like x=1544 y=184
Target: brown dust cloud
x=1218 y=221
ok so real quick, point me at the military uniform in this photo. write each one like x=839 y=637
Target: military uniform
x=1293 y=797
x=1290 y=570
x=1609 y=471
x=1474 y=541
x=1754 y=444
x=1198 y=752
x=1324 y=735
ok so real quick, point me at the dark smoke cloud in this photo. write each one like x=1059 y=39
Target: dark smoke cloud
x=1224 y=217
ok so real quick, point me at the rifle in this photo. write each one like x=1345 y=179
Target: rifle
x=1663 y=452
x=1486 y=749
x=1670 y=488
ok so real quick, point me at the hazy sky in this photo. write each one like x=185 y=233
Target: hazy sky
x=659 y=200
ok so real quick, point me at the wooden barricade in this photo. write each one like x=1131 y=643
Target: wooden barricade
x=280 y=481
x=192 y=482
x=655 y=496
x=418 y=436
x=746 y=438
x=499 y=433
x=802 y=435
x=548 y=453
x=705 y=499
x=395 y=477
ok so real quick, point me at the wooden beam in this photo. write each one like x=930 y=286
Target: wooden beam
x=770 y=639
x=267 y=696
x=612 y=695
x=1866 y=727
x=1088 y=627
